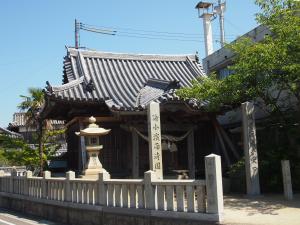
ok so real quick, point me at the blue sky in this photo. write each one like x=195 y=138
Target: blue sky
x=34 y=34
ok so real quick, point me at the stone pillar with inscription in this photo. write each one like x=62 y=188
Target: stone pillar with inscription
x=250 y=149
x=287 y=179
x=154 y=136
x=214 y=188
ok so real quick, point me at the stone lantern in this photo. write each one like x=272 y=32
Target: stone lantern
x=92 y=134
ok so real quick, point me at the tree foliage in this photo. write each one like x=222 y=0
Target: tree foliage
x=268 y=73
x=16 y=151
x=267 y=70
x=44 y=144
x=32 y=104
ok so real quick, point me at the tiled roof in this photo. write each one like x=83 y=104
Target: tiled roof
x=19 y=119
x=10 y=133
x=153 y=89
x=122 y=81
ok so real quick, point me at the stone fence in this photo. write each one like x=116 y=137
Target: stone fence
x=195 y=199
x=20 y=170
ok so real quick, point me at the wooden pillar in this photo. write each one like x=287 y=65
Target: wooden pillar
x=135 y=155
x=191 y=155
x=82 y=150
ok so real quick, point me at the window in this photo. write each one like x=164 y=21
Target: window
x=224 y=72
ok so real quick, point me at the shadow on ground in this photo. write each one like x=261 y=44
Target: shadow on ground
x=264 y=204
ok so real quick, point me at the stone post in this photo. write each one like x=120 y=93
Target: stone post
x=154 y=136
x=70 y=175
x=13 y=174
x=214 y=189
x=250 y=149
x=149 y=176
x=46 y=176
x=287 y=179
x=27 y=188
x=2 y=174
x=102 y=188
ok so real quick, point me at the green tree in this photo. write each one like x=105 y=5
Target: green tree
x=32 y=105
x=16 y=151
x=45 y=134
x=267 y=70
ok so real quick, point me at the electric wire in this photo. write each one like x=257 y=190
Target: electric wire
x=132 y=31
x=134 y=34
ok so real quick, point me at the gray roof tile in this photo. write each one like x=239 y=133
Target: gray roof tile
x=122 y=81
x=10 y=133
x=20 y=119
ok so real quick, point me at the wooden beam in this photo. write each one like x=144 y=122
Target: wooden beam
x=75 y=119
x=223 y=148
x=98 y=118
x=102 y=119
x=191 y=155
x=229 y=142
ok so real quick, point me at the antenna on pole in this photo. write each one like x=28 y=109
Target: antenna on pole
x=220 y=9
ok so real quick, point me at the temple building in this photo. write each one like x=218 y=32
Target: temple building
x=9 y=133
x=116 y=89
x=20 y=126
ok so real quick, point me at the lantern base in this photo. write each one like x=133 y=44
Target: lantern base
x=93 y=166
x=92 y=173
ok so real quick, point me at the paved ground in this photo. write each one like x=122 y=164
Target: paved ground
x=239 y=210
x=262 y=210
x=14 y=218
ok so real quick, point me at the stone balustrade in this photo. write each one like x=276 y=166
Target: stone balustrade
x=185 y=196
x=20 y=170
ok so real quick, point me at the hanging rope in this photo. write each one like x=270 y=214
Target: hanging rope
x=170 y=138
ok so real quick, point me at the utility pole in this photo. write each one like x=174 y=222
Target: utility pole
x=77 y=28
x=220 y=9
x=81 y=26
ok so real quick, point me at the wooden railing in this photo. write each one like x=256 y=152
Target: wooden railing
x=148 y=193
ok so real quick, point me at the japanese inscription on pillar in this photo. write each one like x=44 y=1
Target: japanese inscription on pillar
x=250 y=149
x=154 y=135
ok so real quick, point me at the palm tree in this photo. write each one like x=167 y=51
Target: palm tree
x=32 y=104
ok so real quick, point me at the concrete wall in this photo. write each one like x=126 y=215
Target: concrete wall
x=79 y=214
x=223 y=57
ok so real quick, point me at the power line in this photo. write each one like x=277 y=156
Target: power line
x=149 y=32
x=145 y=31
x=233 y=25
x=135 y=34
x=96 y=29
x=141 y=33
x=158 y=38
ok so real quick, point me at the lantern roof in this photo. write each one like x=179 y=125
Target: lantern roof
x=93 y=129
